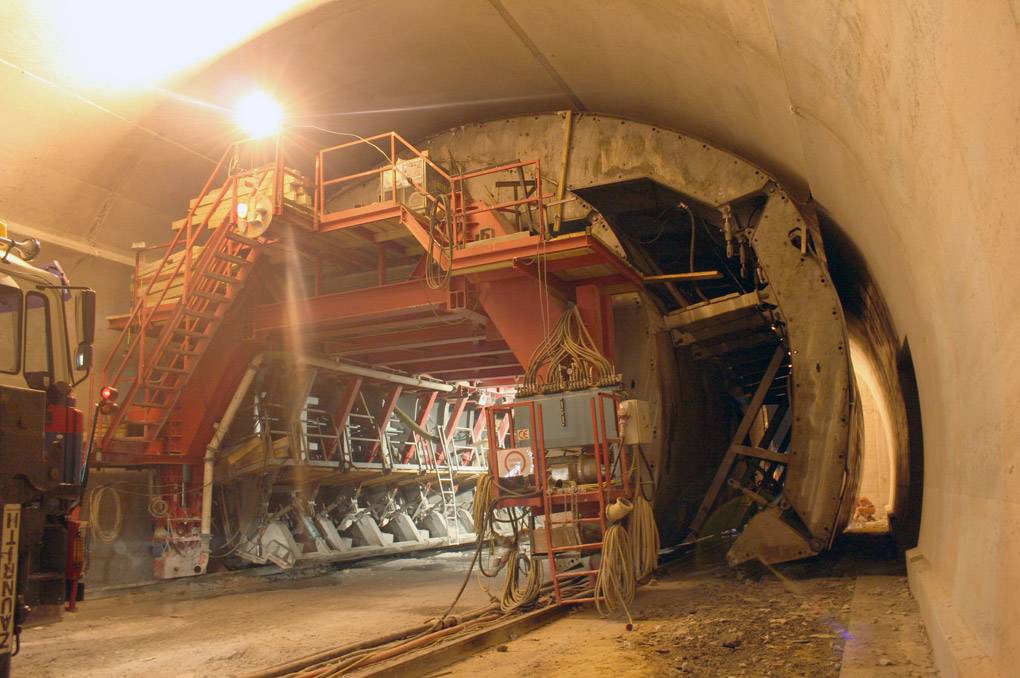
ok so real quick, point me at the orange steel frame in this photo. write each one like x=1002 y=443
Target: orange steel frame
x=398 y=312
x=549 y=502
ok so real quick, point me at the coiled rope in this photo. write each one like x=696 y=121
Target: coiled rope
x=615 y=584
x=106 y=536
x=644 y=538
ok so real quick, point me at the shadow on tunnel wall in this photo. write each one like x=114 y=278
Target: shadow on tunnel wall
x=870 y=324
x=702 y=419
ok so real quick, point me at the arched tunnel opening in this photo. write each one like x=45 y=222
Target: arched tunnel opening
x=654 y=225
x=424 y=354
x=894 y=440
x=889 y=128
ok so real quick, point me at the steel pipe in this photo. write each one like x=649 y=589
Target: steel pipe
x=336 y=365
x=220 y=430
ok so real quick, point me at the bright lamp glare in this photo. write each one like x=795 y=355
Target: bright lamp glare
x=128 y=44
x=259 y=115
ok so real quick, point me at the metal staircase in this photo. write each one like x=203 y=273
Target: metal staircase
x=169 y=339
x=216 y=281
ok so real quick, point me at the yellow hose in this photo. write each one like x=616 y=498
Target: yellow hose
x=106 y=536
x=616 y=582
x=514 y=598
x=480 y=508
x=644 y=538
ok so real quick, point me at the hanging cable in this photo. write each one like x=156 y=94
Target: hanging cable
x=480 y=510
x=615 y=584
x=570 y=358
x=644 y=538
x=694 y=230
x=437 y=275
x=104 y=535
x=515 y=598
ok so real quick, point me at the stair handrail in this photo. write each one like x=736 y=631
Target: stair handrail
x=138 y=311
x=397 y=144
x=536 y=200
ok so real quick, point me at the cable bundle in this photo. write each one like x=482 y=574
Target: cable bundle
x=514 y=598
x=481 y=505
x=95 y=502
x=571 y=358
x=644 y=538
x=436 y=276
x=616 y=582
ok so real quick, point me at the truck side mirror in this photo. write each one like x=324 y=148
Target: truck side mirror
x=85 y=312
x=83 y=357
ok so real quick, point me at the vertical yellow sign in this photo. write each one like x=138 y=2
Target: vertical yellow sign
x=8 y=573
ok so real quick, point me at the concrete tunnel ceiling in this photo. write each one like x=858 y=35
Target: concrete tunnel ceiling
x=900 y=122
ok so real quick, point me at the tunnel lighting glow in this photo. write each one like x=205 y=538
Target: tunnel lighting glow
x=242 y=210
x=126 y=44
x=258 y=114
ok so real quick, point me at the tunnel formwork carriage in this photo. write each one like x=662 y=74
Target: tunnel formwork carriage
x=448 y=264
x=754 y=395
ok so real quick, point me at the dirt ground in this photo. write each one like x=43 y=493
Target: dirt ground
x=235 y=624
x=847 y=614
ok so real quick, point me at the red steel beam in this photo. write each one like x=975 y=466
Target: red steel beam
x=350 y=306
x=384 y=421
x=455 y=415
x=456 y=364
x=343 y=412
x=430 y=336
x=462 y=352
x=408 y=321
x=504 y=428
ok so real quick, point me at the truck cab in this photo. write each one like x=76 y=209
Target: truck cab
x=46 y=333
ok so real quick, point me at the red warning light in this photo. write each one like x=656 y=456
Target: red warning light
x=108 y=395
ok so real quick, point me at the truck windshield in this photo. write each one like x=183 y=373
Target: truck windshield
x=10 y=328
x=38 y=348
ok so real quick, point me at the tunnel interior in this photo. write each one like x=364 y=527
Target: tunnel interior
x=889 y=371
x=654 y=224
x=896 y=122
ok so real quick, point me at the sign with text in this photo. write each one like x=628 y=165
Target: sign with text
x=8 y=573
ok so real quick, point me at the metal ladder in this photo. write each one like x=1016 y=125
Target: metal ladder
x=572 y=502
x=448 y=490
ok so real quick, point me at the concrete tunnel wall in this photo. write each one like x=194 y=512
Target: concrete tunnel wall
x=908 y=117
x=902 y=120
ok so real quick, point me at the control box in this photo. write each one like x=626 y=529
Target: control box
x=410 y=176
x=567 y=419
x=635 y=422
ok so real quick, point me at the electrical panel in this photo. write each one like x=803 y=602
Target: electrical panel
x=567 y=419
x=412 y=175
x=635 y=422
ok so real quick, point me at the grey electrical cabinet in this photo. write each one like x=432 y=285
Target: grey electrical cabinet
x=567 y=418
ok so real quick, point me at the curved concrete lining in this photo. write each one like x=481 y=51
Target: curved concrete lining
x=899 y=118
